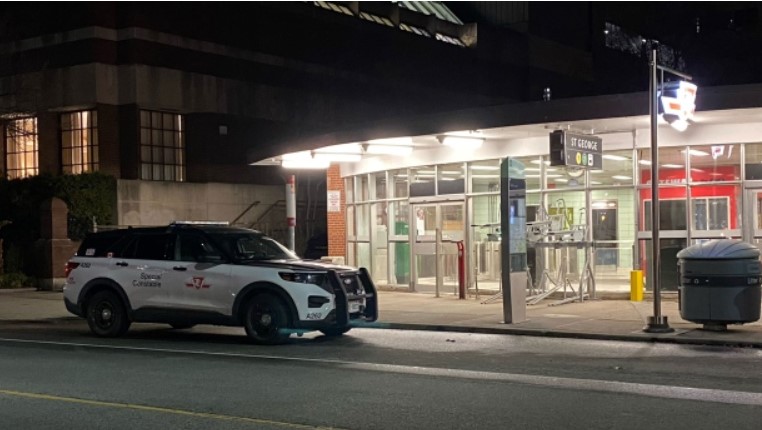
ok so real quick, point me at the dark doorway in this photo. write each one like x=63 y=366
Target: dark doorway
x=605 y=234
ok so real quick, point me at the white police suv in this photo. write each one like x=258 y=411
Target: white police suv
x=202 y=273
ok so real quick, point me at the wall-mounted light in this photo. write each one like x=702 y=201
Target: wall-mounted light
x=305 y=164
x=301 y=155
x=461 y=142
x=340 y=158
x=385 y=149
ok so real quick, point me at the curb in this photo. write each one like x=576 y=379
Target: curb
x=671 y=338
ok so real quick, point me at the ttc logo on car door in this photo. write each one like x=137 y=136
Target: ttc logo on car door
x=198 y=283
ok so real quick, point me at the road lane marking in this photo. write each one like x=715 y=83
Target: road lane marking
x=633 y=388
x=158 y=409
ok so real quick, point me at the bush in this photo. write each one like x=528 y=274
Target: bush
x=87 y=195
x=15 y=280
x=12 y=259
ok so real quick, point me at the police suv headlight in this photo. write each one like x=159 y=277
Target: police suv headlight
x=303 y=277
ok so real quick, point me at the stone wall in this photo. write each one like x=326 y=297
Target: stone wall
x=159 y=203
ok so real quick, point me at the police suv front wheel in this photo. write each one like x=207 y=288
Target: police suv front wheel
x=266 y=320
x=106 y=315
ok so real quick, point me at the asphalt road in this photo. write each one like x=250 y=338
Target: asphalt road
x=55 y=375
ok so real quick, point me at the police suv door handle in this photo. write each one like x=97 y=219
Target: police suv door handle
x=121 y=263
x=180 y=268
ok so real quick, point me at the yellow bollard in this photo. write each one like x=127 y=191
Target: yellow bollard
x=636 y=286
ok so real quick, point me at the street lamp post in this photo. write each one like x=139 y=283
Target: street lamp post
x=657 y=323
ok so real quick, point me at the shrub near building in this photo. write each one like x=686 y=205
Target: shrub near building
x=86 y=195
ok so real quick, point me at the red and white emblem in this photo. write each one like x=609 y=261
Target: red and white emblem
x=198 y=283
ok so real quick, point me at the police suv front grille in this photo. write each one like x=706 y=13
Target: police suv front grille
x=351 y=283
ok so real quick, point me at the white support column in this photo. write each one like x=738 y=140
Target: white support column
x=291 y=211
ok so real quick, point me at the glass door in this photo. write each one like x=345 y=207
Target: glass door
x=438 y=227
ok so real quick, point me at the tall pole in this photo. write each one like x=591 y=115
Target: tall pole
x=658 y=322
x=291 y=211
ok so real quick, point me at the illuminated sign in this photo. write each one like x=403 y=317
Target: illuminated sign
x=575 y=150
x=678 y=103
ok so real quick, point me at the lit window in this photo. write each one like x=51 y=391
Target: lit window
x=79 y=142
x=162 y=146
x=21 y=148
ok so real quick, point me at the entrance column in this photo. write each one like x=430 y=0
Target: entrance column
x=337 y=212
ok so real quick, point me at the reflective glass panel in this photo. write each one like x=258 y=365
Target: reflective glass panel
x=714 y=163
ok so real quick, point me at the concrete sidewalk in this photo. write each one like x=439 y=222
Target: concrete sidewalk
x=596 y=319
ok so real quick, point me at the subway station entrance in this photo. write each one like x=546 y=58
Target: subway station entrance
x=406 y=205
x=438 y=229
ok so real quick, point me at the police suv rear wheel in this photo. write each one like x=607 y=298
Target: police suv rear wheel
x=266 y=320
x=106 y=315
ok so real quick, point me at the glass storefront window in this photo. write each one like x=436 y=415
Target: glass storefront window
x=422 y=181
x=349 y=185
x=715 y=163
x=351 y=233
x=485 y=210
x=673 y=209
x=400 y=210
x=363 y=255
x=380 y=234
x=399 y=182
x=716 y=207
x=533 y=207
x=570 y=205
x=362 y=190
x=362 y=224
x=532 y=170
x=671 y=165
x=451 y=179
x=486 y=240
x=399 y=249
x=557 y=177
x=693 y=204
x=753 y=161
x=617 y=169
x=351 y=260
x=485 y=176
x=380 y=184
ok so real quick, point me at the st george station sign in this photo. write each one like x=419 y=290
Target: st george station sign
x=575 y=150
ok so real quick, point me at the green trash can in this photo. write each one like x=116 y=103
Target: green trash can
x=402 y=254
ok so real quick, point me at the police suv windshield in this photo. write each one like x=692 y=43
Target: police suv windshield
x=250 y=246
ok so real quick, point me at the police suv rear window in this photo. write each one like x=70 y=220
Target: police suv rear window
x=99 y=244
